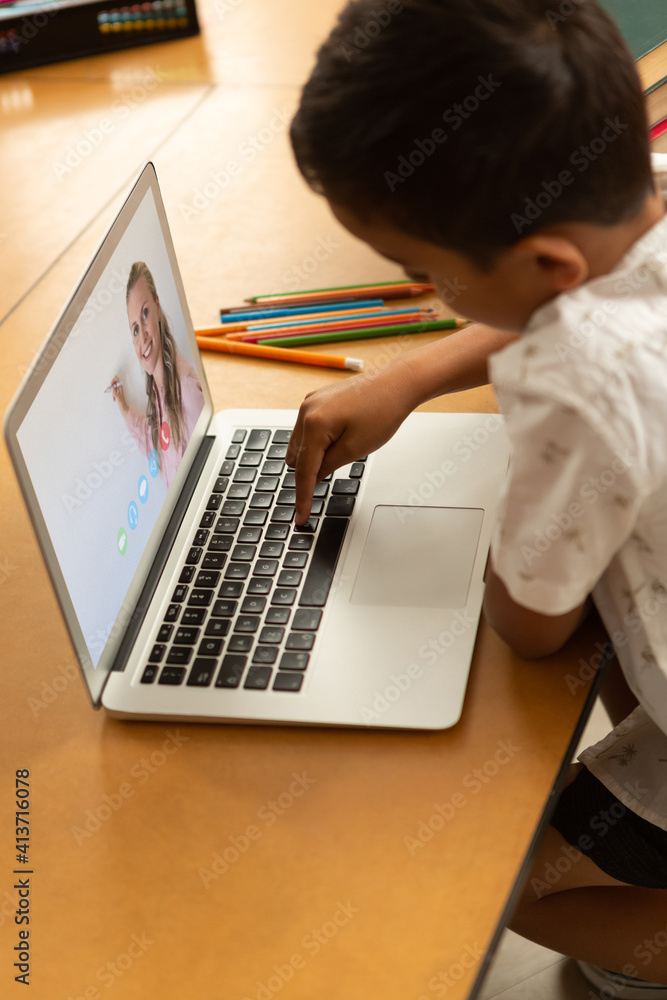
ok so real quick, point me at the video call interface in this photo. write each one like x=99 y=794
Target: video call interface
x=108 y=428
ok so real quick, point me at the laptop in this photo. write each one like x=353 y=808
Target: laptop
x=168 y=530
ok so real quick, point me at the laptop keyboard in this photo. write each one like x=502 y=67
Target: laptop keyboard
x=248 y=605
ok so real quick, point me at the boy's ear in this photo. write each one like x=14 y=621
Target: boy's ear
x=553 y=260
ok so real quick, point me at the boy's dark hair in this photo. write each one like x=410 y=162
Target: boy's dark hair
x=471 y=123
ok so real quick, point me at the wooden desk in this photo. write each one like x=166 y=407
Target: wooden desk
x=234 y=862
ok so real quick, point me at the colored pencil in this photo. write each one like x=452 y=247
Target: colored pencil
x=278 y=354
x=235 y=313
x=364 y=334
x=389 y=289
x=253 y=336
x=311 y=319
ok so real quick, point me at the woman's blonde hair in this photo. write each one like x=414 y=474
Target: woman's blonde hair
x=172 y=385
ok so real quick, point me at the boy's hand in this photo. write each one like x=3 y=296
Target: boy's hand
x=340 y=423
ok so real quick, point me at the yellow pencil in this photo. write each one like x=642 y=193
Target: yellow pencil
x=280 y=354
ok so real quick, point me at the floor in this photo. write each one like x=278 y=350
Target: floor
x=522 y=970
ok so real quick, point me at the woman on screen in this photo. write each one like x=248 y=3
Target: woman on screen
x=174 y=394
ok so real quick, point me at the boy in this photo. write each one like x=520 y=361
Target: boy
x=498 y=148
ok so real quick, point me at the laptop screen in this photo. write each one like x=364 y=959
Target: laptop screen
x=112 y=422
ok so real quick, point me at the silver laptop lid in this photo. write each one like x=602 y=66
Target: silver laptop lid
x=102 y=464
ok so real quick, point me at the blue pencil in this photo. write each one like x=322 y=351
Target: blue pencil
x=243 y=313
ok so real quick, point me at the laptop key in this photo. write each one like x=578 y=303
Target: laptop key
x=179 y=655
x=221 y=542
x=164 y=633
x=224 y=609
x=194 y=555
x=271 y=550
x=207 y=577
x=214 y=501
x=294 y=661
x=278 y=616
x=265 y=654
x=300 y=640
x=186 y=635
x=260 y=585
x=239 y=491
x=232 y=508
x=233 y=451
x=277 y=532
x=271 y=634
x=193 y=616
x=273 y=468
x=249 y=536
x=302 y=543
x=172 y=612
x=267 y=484
x=240 y=643
x=227 y=525
x=172 y=675
x=202 y=672
x=253 y=605
x=237 y=571
x=357 y=470
x=345 y=487
x=339 y=506
x=230 y=588
x=258 y=678
x=238 y=437
x=276 y=451
x=244 y=553
x=284 y=515
x=295 y=560
x=323 y=562
x=245 y=474
x=307 y=619
x=266 y=567
x=289 y=578
x=256 y=517
x=252 y=459
x=209 y=647
x=180 y=593
x=283 y=596
x=246 y=623
x=213 y=560
x=157 y=652
x=231 y=671
x=221 y=484
x=186 y=574
x=310 y=526
x=201 y=537
x=208 y=517
x=286 y=681
x=261 y=501
x=281 y=436
x=258 y=440
x=218 y=627
x=150 y=673
x=200 y=598
x=226 y=468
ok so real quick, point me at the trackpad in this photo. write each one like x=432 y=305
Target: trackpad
x=418 y=557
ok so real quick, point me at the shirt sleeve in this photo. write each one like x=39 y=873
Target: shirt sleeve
x=138 y=427
x=570 y=503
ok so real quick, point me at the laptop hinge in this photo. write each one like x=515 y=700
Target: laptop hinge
x=146 y=596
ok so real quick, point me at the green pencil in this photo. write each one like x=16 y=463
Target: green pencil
x=364 y=334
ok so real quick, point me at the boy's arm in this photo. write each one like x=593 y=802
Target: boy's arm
x=529 y=634
x=340 y=423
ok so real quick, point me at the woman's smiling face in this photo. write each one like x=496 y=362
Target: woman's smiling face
x=143 y=314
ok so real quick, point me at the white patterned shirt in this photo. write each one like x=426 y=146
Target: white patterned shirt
x=584 y=395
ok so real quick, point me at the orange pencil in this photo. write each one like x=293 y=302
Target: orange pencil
x=280 y=354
